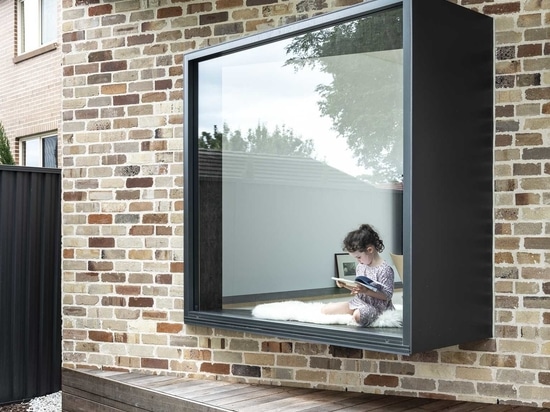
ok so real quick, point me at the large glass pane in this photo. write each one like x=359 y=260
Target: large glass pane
x=300 y=141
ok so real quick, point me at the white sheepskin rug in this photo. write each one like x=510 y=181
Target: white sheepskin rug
x=311 y=313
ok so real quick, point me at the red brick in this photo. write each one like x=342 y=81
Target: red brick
x=523 y=199
x=134 y=302
x=100 y=336
x=141 y=230
x=228 y=4
x=74 y=196
x=100 y=10
x=169 y=12
x=101 y=242
x=114 y=66
x=504 y=111
x=381 y=380
x=139 y=182
x=163 y=327
x=176 y=267
x=529 y=50
x=100 y=219
x=126 y=99
x=163 y=279
x=163 y=84
x=155 y=218
x=504 y=8
x=213 y=18
x=216 y=368
x=154 y=363
x=100 y=56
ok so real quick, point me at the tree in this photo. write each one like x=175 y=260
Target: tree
x=5 y=153
x=364 y=100
x=281 y=141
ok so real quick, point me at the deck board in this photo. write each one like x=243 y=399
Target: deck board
x=110 y=391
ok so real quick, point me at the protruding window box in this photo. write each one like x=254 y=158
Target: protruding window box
x=380 y=113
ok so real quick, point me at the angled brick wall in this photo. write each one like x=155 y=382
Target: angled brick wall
x=123 y=202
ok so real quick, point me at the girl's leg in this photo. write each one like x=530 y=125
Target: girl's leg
x=336 y=308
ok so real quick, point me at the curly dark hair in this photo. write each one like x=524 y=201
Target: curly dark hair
x=359 y=240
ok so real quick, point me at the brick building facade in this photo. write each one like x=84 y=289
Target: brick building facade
x=122 y=143
x=30 y=83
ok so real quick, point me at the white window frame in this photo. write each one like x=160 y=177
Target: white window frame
x=37 y=24
x=37 y=158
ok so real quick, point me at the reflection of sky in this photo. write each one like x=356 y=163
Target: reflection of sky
x=32 y=152
x=254 y=87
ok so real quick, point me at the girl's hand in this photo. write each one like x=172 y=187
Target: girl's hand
x=359 y=289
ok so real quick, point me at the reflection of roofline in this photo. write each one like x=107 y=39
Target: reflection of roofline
x=390 y=185
x=276 y=169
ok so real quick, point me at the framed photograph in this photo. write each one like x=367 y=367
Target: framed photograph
x=345 y=266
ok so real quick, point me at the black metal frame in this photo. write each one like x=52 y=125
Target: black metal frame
x=448 y=131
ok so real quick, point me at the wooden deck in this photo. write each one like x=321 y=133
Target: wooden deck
x=102 y=391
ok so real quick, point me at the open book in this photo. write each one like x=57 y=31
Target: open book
x=361 y=280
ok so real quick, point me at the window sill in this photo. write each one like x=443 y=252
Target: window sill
x=33 y=53
x=388 y=340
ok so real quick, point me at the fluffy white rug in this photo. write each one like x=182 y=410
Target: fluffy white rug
x=311 y=313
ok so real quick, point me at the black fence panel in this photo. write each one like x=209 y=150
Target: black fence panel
x=30 y=282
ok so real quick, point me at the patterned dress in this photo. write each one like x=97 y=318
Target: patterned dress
x=370 y=308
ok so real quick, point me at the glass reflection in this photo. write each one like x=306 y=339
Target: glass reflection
x=305 y=135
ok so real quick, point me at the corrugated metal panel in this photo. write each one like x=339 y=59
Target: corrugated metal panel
x=30 y=282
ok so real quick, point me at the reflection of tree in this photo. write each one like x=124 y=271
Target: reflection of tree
x=364 y=101
x=281 y=141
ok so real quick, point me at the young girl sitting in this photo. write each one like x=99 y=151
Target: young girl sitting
x=364 y=244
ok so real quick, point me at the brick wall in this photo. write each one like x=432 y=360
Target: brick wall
x=123 y=198
x=30 y=90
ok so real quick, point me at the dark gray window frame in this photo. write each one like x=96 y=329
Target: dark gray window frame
x=447 y=197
